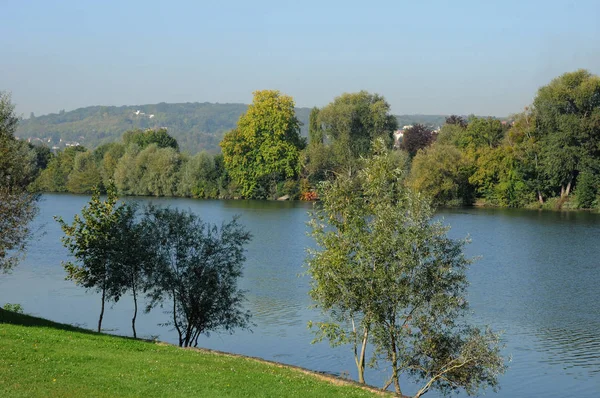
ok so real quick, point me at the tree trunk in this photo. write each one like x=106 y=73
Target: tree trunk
x=568 y=190
x=540 y=197
x=175 y=320
x=102 y=309
x=135 y=310
x=360 y=364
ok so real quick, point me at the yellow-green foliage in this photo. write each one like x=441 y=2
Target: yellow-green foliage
x=265 y=146
x=441 y=172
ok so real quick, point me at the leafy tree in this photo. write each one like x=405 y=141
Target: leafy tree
x=315 y=130
x=525 y=141
x=352 y=121
x=95 y=240
x=457 y=121
x=85 y=174
x=197 y=269
x=108 y=156
x=498 y=178
x=441 y=172
x=567 y=115
x=587 y=190
x=415 y=138
x=483 y=132
x=151 y=171
x=56 y=176
x=198 y=177
x=385 y=273
x=142 y=138
x=265 y=146
x=18 y=207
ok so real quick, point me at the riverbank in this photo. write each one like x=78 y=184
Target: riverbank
x=41 y=358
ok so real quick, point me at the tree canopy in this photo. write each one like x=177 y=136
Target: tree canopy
x=385 y=273
x=265 y=146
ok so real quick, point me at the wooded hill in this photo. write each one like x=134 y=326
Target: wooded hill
x=196 y=126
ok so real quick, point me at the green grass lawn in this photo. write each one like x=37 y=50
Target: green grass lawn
x=39 y=358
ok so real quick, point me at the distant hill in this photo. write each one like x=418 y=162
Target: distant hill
x=196 y=126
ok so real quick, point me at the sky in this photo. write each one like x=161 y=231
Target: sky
x=483 y=57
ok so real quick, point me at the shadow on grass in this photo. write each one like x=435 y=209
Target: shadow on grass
x=15 y=318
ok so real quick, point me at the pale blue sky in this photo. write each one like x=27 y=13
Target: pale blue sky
x=432 y=57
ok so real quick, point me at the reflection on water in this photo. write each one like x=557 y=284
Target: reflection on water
x=537 y=279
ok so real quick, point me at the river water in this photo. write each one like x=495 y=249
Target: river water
x=537 y=279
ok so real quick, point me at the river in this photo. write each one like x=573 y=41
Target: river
x=537 y=279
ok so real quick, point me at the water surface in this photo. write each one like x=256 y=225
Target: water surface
x=537 y=279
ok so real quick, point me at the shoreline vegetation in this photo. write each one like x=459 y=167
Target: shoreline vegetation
x=46 y=358
x=545 y=157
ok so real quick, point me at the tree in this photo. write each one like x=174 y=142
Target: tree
x=55 y=177
x=142 y=138
x=567 y=113
x=18 y=207
x=457 y=121
x=386 y=274
x=441 y=172
x=85 y=174
x=198 y=177
x=197 y=268
x=482 y=132
x=352 y=121
x=265 y=146
x=415 y=138
x=95 y=240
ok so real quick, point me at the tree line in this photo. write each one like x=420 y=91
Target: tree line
x=546 y=156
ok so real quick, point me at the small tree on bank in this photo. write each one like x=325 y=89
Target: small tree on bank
x=197 y=268
x=98 y=241
x=385 y=274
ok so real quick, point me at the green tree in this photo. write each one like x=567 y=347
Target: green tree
x=94 y=241
x=18 y=207
x=385 y=273
x=197 y=269
x=265 y=146
x=56 y=176
x=567 y=113
x=352 y=121
x=198 y=177
x=482 y=132
x=85 y=174
x=441 y=172
x=142 y=138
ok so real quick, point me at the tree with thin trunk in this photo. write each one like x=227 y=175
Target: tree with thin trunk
x=389 y=280
x=96 y=242
x=196 y=270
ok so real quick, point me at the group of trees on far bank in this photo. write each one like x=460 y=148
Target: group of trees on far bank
x=545 y=156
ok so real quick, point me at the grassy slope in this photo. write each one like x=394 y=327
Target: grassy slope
x=39 y=358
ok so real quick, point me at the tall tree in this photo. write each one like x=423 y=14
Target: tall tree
x=385 y=273
x=567 y=115
x=265 y=146
x=352 y=121
x=94 y=241
x=197 y=269
x=18 y=207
